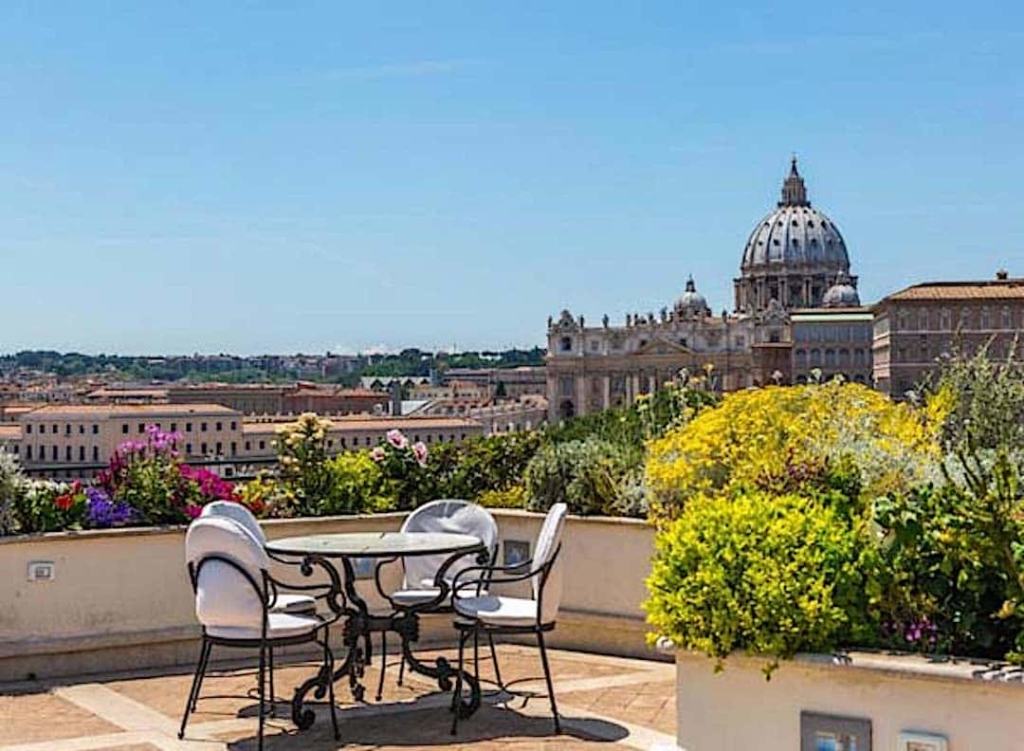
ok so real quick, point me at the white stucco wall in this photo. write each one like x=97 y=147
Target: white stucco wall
x=977 y=706
x=121 y=598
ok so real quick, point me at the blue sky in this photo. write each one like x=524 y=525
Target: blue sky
x=256 y=177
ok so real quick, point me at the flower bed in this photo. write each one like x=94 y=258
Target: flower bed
x=809 y=518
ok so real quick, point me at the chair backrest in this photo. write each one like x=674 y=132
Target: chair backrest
x=452 y=516
x=224 y=595
x=239 y=513
x=547 y=544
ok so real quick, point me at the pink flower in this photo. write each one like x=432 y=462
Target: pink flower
x=378 y=454
x=193 y=512
x=419 y=451
x=396 y=439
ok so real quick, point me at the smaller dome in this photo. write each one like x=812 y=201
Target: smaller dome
x=692 y=302
x=842 y=294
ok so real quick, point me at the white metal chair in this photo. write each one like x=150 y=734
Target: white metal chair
x=285 y=602
x=229 y=571
x=418 y=586
x=496 y=614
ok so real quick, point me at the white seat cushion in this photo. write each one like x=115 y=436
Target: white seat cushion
x=294 y=603
x=279 y=626
x=419 y=596
x=498 y=611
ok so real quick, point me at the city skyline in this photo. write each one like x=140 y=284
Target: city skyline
x=200 y=179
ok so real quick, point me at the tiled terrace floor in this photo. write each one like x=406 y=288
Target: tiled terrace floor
x=604 y=701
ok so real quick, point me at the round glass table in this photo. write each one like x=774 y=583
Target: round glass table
x=331 y=552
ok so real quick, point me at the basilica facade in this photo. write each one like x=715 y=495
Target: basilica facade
x=794 y=266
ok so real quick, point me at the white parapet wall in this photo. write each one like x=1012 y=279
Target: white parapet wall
x=968 y=704
x=120 y=599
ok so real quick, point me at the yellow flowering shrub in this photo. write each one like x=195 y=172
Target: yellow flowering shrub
x=765 y=573
x=764 y=438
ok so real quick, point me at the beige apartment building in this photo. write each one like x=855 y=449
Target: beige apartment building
x=75 y=441
x=915 y=327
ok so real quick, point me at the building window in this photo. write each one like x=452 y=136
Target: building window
x=28 y=452
x=220 y=426
x=234 y=425
x=174 y=427
x=248 y=445
x=142 y=427
x=188 y=427
x=565 y=344
x=28 y=429
x=81 y=430
x=263 y=445
x=234 y=449
x=984 y=322
x=202 y=449
x=81 y=453
x=53 y=453
x=95 y=429
x=220 y=448
x=188 y=449
x=95 y=453
x=202 y=427
x=1007 y=319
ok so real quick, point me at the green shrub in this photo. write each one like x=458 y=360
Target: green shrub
x=355 y=486
x=514 y=497
x=764 y=573
x=587 y=475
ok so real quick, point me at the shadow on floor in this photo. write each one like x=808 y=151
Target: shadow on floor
x=428 y=728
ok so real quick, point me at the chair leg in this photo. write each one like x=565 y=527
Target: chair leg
x=204 y=653
x=205 y=657
x=263 y=670
x=457 y=696
x=547 y=677
x=329 y=662
x=494 y=660
x=383 y=663
x=476 y=655
x=270 y=671
x=401 y=669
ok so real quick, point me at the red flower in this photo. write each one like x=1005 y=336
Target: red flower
x=63 y=502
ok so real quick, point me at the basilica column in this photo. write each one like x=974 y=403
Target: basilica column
x=607 y=391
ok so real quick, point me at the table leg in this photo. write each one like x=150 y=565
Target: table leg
x=407 y=625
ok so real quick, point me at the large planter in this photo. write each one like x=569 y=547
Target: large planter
x=120 y=598
x=972 y=705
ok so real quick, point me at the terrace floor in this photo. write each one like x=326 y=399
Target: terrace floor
x=604 y=701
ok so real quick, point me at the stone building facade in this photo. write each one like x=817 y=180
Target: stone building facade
x=917 y=326
x=794 y=268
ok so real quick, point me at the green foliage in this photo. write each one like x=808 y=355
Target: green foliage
x=514 y=497
x=302 y=457
x=587 y=475
x=480 y=465
x=764 y=573
x=12 y=488
x=356 y=486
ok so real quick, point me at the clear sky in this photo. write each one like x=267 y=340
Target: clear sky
x=276 y=177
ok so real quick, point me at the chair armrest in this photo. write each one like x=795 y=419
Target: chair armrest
x=329 y=591
x=376 y=576
x=488 y=576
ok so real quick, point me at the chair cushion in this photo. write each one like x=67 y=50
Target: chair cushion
x=294 y=603
x=498 y=611
x=279 y=626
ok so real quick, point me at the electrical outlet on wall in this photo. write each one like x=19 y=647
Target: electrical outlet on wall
x=42 y=571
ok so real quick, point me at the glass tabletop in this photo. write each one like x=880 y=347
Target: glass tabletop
x=375 y=544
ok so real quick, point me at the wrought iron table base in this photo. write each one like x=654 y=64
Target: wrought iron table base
x=359 y=626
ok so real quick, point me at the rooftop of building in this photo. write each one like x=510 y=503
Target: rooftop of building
x=101 y=411
x=371 y=422
x=1003 y=287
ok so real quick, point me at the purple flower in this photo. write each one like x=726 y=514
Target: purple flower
x=103 y=512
